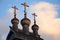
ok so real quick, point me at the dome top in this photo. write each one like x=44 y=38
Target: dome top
x=25 y=21
x=15 y=20
x=35 y=26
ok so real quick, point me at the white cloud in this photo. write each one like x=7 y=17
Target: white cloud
x=1 y=37
x=5 y=22
x=47 y=21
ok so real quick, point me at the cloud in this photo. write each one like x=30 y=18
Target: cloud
x=46 y=19
x=1 y=37
x=5 y=23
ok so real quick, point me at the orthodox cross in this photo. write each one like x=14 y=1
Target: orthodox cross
x=25 y=5
x=15 y=8
x=34 y=18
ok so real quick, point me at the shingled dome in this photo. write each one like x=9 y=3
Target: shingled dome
x=25 y=21
x=35 y=27
x=15 y=20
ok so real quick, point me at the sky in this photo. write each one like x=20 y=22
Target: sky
x=47 y=11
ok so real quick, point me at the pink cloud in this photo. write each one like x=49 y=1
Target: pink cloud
x=46 y=19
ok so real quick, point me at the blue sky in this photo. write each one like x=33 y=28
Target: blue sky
x=5 y=5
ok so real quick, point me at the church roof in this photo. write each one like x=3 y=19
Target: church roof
x=24 y=34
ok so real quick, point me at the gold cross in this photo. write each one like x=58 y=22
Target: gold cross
x=25 y=5
x=15 y=8
x=34 y=17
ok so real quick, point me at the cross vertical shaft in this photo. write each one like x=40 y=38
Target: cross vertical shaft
x=15 y=8
x=34 y=18
x=25 y=5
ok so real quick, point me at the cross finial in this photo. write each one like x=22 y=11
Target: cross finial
x=25 y=5
x=15 y=8
x=34 y=17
